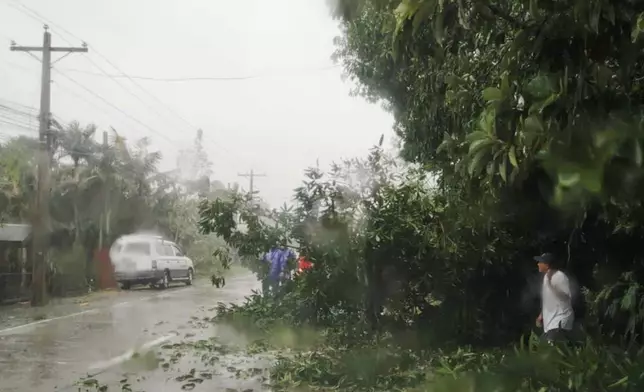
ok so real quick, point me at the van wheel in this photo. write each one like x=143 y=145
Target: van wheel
x=126 y=286
x=165 y=281
x=190 y=277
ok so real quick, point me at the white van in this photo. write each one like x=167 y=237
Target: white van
x=151 y=260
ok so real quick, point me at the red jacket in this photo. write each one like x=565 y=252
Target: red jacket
x=303 y=264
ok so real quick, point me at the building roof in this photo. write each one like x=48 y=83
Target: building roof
x=14 y=232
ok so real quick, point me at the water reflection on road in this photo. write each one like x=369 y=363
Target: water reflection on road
x=102 y=336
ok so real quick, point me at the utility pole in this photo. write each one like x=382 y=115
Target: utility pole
x=251 y=177
x=41 y=223
x=104 y=224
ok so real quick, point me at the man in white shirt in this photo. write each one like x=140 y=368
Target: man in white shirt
x=557 y=316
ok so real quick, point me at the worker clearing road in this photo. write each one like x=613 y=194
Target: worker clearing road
x=278 y=267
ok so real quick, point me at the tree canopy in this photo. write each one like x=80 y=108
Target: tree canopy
x=102 y=190
x=521 y=126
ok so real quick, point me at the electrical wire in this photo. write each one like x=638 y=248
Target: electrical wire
x=200 y=78
x=27 y=107
x=37 y=16
x=17 y=114
x=114 y=106
x=104 y=101
x=29 y=12
x=18 y=121
x=13 y=124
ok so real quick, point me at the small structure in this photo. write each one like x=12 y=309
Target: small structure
x=14 y=265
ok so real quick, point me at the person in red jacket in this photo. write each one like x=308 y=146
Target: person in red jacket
x=303 y=264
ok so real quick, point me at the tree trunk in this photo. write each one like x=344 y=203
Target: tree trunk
x=76 y=223
x=100 y=232
x=107 y=215
x=23 y=270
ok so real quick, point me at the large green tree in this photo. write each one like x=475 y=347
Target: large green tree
x=528 y=115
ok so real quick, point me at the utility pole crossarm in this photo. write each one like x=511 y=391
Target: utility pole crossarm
x=70 y=50
x=14 y=48
x=51 y=49
x=251 y=175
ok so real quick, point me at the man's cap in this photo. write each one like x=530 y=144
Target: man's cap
x=546 y=258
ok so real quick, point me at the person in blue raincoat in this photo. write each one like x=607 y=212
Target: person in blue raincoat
x=277 y=259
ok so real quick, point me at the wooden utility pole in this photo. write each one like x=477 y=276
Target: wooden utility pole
x=251 y=177
x=104 y=223
x=41 y=223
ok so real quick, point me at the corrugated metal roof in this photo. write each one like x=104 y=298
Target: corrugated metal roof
x=14 y=232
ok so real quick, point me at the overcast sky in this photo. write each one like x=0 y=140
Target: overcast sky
x=294 y=109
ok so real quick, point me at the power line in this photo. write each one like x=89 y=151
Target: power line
x=18 y=114
x=37 y=16
x=104 y=101
x=8 y=101
x=8 y=110
x=29 y=12
x=41 y=18
x=16 y=120
x=199 y=78
x=114 y=106
x=10 y=123
x=97 y=96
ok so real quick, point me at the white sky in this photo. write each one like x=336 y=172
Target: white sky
x=279 y=123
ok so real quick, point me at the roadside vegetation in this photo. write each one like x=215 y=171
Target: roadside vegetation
x=101 y=191
x=521 y=132
x=521 y=129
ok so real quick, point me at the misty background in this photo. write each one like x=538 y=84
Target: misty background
x=256 y=76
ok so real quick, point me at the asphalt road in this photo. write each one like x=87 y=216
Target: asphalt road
x=144 y=340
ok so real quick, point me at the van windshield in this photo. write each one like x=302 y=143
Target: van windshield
x=137 y=248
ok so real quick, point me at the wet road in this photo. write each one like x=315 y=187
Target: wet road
x=139 y=336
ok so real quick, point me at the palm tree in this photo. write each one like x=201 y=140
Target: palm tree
x=132 y=180
x=78 y=144
x=17 y=178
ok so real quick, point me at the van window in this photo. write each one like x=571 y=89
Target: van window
x=158 y=249
x=167 y=250
x=137 y=248
x=177 y=251
x=117 y=247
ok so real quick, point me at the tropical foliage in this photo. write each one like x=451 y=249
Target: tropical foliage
x=521 y=128
x=101 y=190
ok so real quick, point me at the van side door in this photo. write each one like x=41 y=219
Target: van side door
x=181 y=261
x=160 y=256
x=172 y=260
x=165 y=258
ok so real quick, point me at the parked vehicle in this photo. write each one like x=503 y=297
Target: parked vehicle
x=149 y=260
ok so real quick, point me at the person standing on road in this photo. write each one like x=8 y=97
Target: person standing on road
x=557 y=316
x=274 y=260
x=286 y=268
